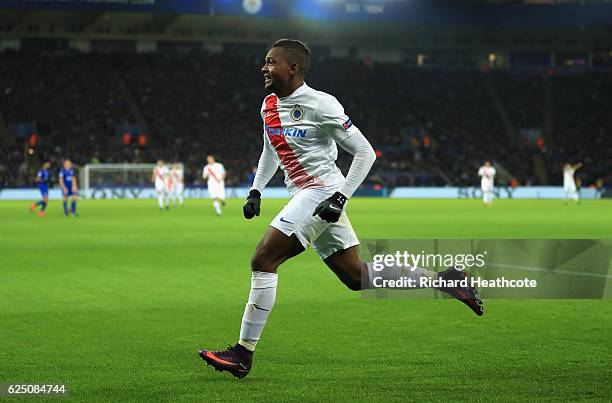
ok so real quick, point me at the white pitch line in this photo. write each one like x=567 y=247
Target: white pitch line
x=542 y=269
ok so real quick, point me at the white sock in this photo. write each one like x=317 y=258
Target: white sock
x=217 y=207
x=181 y=201
x=257 y=310
x=160 y=201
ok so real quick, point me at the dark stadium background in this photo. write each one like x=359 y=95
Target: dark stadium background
x=436 y=86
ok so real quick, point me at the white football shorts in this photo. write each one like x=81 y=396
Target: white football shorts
x=216 y=190
x=160 y=187
x=326 y=238
x=569 y=187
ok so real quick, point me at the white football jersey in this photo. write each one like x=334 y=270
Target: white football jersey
x=568 y=176
x=487 y=174
x=301 y=130
x=161 y=175
x=213 y=173
x=177 y=175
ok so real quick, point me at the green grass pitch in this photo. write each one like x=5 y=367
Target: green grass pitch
x=116 y=303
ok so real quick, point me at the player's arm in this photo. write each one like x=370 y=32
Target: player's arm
x=153 y=176
x=38 y=178
x=223 y=173
x=205 y=172
x=75 y=185
x=338 y=125
x=266 y=168
x=578 y=165
x=61 y=182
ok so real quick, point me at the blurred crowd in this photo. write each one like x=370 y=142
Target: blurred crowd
x=428 y=126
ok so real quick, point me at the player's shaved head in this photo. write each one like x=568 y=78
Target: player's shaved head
x=297 y=52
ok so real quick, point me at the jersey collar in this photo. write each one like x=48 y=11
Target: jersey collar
x=299 y=90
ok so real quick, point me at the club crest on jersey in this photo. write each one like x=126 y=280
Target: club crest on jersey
x=297 y=113
x=347 y=124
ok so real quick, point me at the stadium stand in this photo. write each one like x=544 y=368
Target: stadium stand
x=429 y=126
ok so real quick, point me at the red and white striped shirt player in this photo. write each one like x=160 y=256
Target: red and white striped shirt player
x=214 y=174
x=302 y=128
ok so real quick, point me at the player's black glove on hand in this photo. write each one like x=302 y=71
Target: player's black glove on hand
x=251 y=207
x=330 y=209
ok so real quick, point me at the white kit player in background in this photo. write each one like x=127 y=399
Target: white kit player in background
x=214 y=173
x=177 y=184
x=160 y=178
x=487 y=175
x=569 y=184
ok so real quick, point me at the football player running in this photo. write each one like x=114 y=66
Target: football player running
x=301 y=129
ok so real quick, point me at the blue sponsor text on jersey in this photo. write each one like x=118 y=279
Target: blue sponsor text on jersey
x=287 y=132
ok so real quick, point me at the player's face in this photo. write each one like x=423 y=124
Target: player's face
x=276 y=70
x=46 y=165
x=210 y=160
x=67 y=164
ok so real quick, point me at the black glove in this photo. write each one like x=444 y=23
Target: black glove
x=251 y=207
x=330 y=209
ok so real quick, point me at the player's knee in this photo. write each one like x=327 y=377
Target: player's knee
x=262 y=260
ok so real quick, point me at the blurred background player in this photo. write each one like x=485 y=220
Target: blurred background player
x=68 y=183
x=251 y=177
x=569 y=183
x=42 y=178
x=487 y=175
x=160 y=177
x=177 y=184
x=214 y=173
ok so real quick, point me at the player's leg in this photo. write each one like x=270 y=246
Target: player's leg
x=73 y=204
x=357 y=275
x=575 y=193
x=41 y=202
x=66 y=194
x=290 y=232
x=180 y=190
x=339 y=249
x=160 y=198
x=274 y=248
x=217 y=205
x=44 y=202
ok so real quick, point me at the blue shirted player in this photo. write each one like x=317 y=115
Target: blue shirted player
x=42 y=179
x=68 y=183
